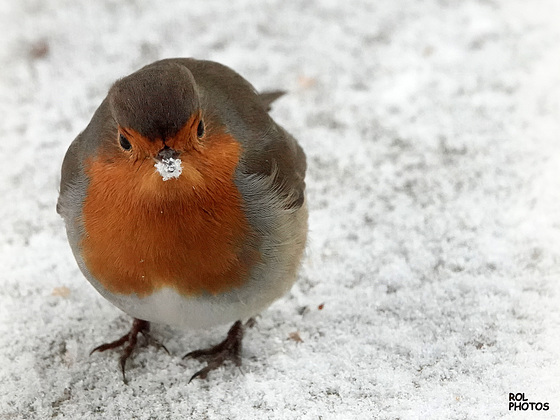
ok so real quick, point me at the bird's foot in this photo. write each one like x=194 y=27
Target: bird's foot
x=129 y=341
x=229 y=349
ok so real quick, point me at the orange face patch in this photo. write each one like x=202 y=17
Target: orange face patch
x=184 y=140
x=188 y=233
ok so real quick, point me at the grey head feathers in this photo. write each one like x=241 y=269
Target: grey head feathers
x=155 y=101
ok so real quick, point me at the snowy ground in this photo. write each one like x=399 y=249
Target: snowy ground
x=431 y=129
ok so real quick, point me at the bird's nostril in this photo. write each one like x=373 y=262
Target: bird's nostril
x=167 y=153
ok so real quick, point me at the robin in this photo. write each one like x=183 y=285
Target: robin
x=184 y=202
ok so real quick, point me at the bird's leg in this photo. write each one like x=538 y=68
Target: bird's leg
x=229 y=349
x=130 y=338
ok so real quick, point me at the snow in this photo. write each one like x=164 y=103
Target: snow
x=169 y=168
x=431 y=130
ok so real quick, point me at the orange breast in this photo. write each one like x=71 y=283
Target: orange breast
x=189 y=233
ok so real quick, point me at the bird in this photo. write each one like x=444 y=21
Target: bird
x=184 y=203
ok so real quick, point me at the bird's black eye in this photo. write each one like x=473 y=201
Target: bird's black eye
x=125 y=144
x=200 y=129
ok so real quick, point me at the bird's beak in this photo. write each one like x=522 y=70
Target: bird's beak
x=168 y=163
